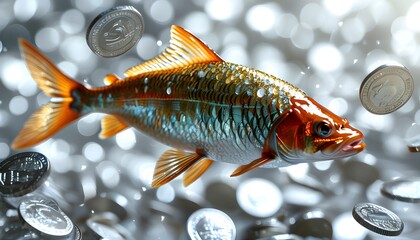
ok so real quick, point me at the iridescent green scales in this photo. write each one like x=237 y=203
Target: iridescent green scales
x=211 y=106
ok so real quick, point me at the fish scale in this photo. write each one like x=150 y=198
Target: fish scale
x=216 y=112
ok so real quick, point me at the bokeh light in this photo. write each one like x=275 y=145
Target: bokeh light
x=326 y=48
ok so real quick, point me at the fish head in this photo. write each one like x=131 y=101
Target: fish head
x=309 y=132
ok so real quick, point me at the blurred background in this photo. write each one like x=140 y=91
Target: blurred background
x=324 y=47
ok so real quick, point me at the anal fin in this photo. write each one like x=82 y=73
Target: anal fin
x=111 y=125
x=171 y=164
x=194 y=172
x=252 y=165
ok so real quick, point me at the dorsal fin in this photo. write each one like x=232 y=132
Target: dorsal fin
x=110 y=79
x=184 y=49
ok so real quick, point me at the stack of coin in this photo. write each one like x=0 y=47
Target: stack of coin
x=21 y=174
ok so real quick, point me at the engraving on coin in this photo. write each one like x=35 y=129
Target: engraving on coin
x=23 y=173
x=378 y=219
x=406 y=190
x=386 y=89
x=210 y=223
x=115 y=31
x=77 y=234
x=46 y=219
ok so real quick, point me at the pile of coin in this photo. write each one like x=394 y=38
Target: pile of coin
x=21 y=175
x=272 y=212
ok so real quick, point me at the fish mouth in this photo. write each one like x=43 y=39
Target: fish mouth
x=346 y=149
x=355 y=146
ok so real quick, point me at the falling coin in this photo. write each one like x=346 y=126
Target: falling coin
x=115 y=31
x=23 y=173
x=45 y=218
x=386 y=89
x=378 y=219
x=405 y=190
x=210 y=223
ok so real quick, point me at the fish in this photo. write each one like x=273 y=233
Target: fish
x=206 y=109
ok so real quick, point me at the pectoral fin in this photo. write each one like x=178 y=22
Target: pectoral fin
x=111 y=125
x=171 y=164
x=194 y=172
x=252 y=165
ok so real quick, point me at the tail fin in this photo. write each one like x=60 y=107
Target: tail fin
x=53 y=116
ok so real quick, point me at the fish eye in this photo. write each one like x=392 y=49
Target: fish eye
x=323 y=129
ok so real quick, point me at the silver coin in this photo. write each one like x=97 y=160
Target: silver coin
x=210 y=223
x=386 y=89
x=378 y=219
x=23 y=173
x=115 y=31
x=45 y=218
x=406 y=190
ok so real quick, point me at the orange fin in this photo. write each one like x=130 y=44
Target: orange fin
x=111 y=125
x=171 y=164
x=252 y=165
x=184 y=49
x=49 y=79
x=48 y=120
x=53 y=116
x=110 y=79
x=194 y=172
